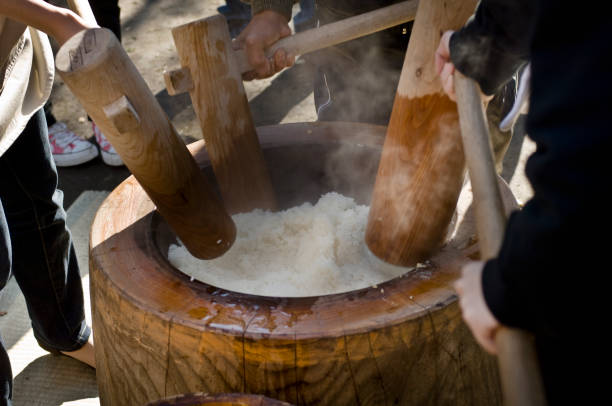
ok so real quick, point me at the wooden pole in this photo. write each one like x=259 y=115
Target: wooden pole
x=339 y=32
x=518 y=365
x=422 y=165
x=101 y=75
x=220 y=102
x=179 y=80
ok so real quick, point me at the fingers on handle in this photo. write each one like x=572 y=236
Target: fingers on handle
x=448 y=82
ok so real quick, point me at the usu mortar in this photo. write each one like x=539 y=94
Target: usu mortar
x=158 y=334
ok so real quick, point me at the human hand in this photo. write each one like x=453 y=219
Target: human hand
x=265 y=29
x=475 y=311
x=444 y=67
x=58 y=22
x=69 y=25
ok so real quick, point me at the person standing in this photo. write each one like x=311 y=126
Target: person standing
x=542 y=279
x=35 y=244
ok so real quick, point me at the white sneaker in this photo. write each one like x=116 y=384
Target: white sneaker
x=67 y=148
x=109 y=155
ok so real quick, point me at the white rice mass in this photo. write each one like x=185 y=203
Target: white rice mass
x=303 y=251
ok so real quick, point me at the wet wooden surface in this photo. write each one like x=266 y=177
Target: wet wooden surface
x=422 y=166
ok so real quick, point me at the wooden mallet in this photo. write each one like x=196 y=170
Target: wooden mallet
x=212 y=74
x=180 y=80
x=422 y=166
x=518 y=365
x=103 y=78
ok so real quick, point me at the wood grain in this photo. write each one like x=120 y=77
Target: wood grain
x=225 y=399
x=178 y=81
x=422 y=164
x=221 y=105
x=399 y=343
x=101 y=75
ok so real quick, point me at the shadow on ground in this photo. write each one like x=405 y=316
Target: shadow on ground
x=54 y=377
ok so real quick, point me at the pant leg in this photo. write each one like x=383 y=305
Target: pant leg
x=43 y=259
x=497 y=109
x=6 y=374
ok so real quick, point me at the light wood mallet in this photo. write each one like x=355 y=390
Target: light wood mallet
x=103 y=78
x=212 y=74
x=422 y=165
x=518 y=365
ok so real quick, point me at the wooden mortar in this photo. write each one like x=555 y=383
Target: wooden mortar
x=225 y=399
x=158 y=334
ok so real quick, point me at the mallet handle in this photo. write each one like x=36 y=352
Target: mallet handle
x=518 y=365
x=338 y=32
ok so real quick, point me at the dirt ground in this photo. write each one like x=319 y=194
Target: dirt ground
x=286 y=97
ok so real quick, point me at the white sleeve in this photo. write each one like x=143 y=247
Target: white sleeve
x=27 y=85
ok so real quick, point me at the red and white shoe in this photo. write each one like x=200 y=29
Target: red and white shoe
x=67 y=148
x=109 y=155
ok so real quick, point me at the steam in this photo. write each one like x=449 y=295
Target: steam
x=356 y=86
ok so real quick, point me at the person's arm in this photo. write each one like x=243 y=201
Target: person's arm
x=491 y=47
x=474 y=308
x=270 y=22
x=60 y=23
x=494 y=44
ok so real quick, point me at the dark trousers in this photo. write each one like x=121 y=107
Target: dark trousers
x=36 y=247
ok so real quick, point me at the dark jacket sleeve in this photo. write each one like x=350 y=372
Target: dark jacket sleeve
x=280 y=6
x=494 y=43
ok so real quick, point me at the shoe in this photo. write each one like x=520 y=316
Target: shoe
x=67 y=148
x=109 y=155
